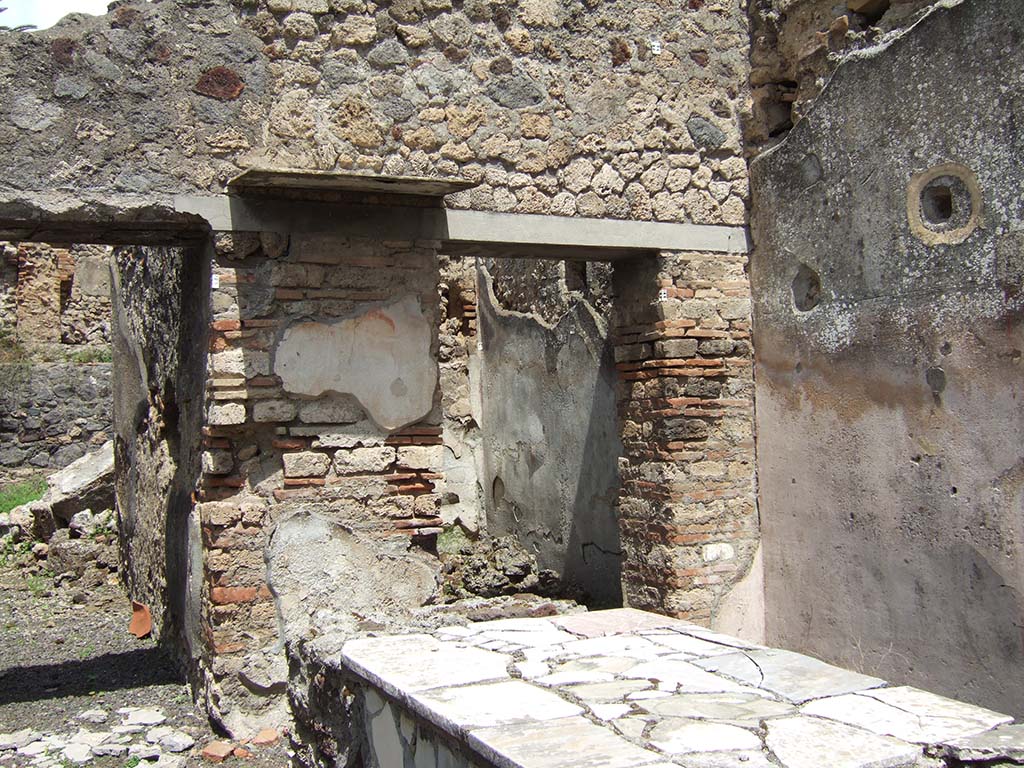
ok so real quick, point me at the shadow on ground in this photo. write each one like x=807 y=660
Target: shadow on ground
x=108 y=672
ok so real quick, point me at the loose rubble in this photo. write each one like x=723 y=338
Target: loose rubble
x=76 y=689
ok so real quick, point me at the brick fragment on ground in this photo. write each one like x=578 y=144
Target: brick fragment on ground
x=217 y=751
x=266 y=736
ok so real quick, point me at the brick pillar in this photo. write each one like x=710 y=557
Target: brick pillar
x=686 y=506
x=269 y=451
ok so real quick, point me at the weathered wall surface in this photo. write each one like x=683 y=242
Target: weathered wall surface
x=887 y=277
x=51 y=414
x=462 y=502
x=795 y=45
x=85 y=298
x=551 y=440
x=55 y=296
x=160 y=319
x=8 y=292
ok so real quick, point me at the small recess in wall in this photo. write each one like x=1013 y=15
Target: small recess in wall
x=806 y=289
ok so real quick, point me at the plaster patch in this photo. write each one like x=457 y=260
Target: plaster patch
x=381 y=357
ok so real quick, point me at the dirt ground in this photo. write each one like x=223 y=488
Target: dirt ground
x=65 y=650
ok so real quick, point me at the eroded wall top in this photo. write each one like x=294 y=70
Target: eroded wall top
x=624 y=109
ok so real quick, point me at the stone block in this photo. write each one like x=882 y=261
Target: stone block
x=734 y=309
x=226 y=414
x=221 y=513
x=680 y=736
x=907 y=713
x=359 y=460
x=629 y=353
x=274 y=410
x=306 y=464
x=92 y=276
x=716 y=347
x=421 y=456
x=240 y=362
x=800 y=742
x=331 y=409
x=218 y=462
x=789 y=675
x=684 y=429
x=675 y=348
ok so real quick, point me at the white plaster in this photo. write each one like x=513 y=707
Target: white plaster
x=382 y=357
x=742 y=612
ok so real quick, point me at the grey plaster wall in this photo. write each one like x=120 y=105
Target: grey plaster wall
x=160 y=320
x=551 y=440
x=888 y=339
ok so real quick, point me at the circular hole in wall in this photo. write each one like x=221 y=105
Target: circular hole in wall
x=937 y=203
x=943 y=204
x=806 y=289
x=946 y=204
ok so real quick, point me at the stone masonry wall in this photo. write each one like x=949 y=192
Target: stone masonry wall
x=687 y=511
x=54 y=307
x=8 y=292
x=51 y=414
x=462 y=502
x=85 y=298
x=323 y=434
x=623 y=109
x=57 y=296
x=41 y=271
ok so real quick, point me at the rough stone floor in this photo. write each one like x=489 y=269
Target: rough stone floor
x=77 y=689
x=626 y=688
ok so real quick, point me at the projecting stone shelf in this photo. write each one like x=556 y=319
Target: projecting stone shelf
x=266 y=179
x=622 y=688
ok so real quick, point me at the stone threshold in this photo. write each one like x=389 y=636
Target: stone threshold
x=621 y=688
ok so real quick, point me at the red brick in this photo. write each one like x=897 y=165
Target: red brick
x=217 y=751
x=226 y=595
x=212 y=481
x=294 y=493
x=290 y=443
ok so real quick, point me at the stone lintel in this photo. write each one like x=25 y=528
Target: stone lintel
x=468 y=232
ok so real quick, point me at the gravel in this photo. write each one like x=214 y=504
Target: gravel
x=77 y=689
